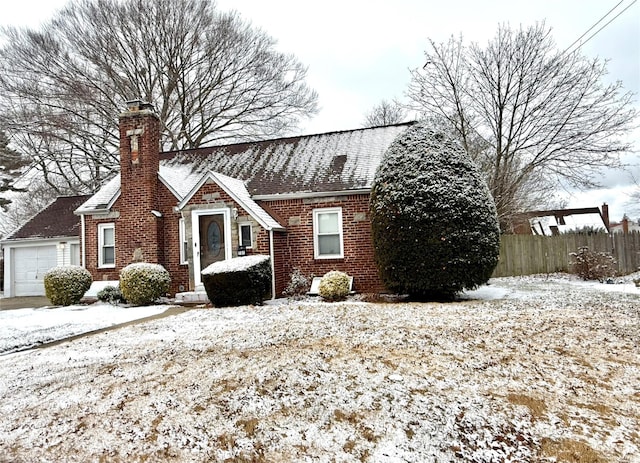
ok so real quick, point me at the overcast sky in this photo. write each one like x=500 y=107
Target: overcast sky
x=360 y=52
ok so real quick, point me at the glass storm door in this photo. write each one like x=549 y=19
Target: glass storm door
x=212 y=243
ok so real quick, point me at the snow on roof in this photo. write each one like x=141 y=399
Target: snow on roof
x=572 y=222
x=104 y=197
x=329 y=162
x=335 y=161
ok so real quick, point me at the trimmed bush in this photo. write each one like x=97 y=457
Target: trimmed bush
x=434 y=224
x=65 y=285
x=238 y=281
x=334 y=286
x=111 y=295
x=143 y=283
x=298 y=285
x=591 y=265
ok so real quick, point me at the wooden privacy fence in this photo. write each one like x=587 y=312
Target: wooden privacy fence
x=529 y=254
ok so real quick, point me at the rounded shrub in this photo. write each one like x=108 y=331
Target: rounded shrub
x=65 y=285
x=434 y=224
x=142 y=283
x=334 y=286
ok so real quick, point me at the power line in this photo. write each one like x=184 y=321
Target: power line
x=598 y=22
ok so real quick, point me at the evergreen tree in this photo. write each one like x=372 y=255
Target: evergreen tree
x=11 y=164
x=434 y=223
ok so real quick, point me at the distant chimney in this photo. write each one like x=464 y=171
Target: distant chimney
x=605 y=215
x=625 y=224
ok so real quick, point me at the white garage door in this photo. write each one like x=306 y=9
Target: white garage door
x=29 y=267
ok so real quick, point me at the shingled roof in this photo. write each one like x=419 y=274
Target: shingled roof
x=323 y=163
x=335 y=161
x=56 y=220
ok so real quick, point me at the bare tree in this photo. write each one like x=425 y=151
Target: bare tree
x=385 y=113
x=211 y=76
x=545 y=116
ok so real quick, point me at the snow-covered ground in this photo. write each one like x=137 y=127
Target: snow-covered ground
x=24 y=328
x=526 y=369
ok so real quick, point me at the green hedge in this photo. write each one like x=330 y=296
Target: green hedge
x=238 y=281
x=142 y=283
x=65 y=285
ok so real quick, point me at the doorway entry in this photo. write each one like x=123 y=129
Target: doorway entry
x=211 y=239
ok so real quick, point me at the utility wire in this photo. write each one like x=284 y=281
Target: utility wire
x=598 y=22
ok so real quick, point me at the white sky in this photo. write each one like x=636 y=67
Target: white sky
x=359 y=52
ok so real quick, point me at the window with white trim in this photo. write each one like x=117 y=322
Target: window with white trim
x=106 y=245
x=184 y=244
x=245 y=236
x=327 y=233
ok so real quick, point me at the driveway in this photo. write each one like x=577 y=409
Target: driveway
x=27 y=302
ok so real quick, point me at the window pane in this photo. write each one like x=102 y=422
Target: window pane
x=329 y=245
x=108 y=237
x=328 y=222
x=108 y=255
x=245 y=235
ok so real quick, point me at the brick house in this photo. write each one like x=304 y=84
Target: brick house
x=302 y=200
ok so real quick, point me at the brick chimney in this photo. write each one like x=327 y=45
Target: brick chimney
x=138 y=227
x=625 y=224
x=605 y=215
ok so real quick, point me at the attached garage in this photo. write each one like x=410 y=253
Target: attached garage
x=29 y=266
x=49 y=239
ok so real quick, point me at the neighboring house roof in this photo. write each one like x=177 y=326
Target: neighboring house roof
x=329 y=162
x=56 y=220
x=552 y=222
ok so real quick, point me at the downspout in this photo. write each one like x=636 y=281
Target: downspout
x=273 y=265
x=83 y=238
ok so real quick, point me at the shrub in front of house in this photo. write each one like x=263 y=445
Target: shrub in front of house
x=334 y=286
x=111 y=295
x=238 y=281
x=298 y=285
x=65 y=285
x=592 y=265
x=433 y=221
x=142 y=283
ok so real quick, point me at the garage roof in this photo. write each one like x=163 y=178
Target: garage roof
x=56 y=220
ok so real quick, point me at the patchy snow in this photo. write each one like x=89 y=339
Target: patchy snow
x=527 y=369
x=237 y=264
x=23 y=328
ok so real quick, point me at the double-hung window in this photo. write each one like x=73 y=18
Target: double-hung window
x=327 y=233
x=106 y=245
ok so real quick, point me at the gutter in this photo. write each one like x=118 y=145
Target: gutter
x=273 y=265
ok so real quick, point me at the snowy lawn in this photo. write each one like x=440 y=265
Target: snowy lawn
x=527 y=369
x=24 y=328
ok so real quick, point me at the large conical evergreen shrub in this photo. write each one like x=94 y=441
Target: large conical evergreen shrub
x=434 y=224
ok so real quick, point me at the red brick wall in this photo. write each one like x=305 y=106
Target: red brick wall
x=295 y=247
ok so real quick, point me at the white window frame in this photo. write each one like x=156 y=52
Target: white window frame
x=316 y=246
x=184 y=243
x=245 y=224
x=101 y=229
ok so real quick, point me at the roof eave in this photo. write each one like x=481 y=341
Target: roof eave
x=311 y=194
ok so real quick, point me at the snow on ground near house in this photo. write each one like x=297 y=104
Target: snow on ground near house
x=23 y=328
x=535 y=369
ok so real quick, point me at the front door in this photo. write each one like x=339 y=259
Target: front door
x=211 y=239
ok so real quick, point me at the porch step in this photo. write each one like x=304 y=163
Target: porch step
x=192 y=297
